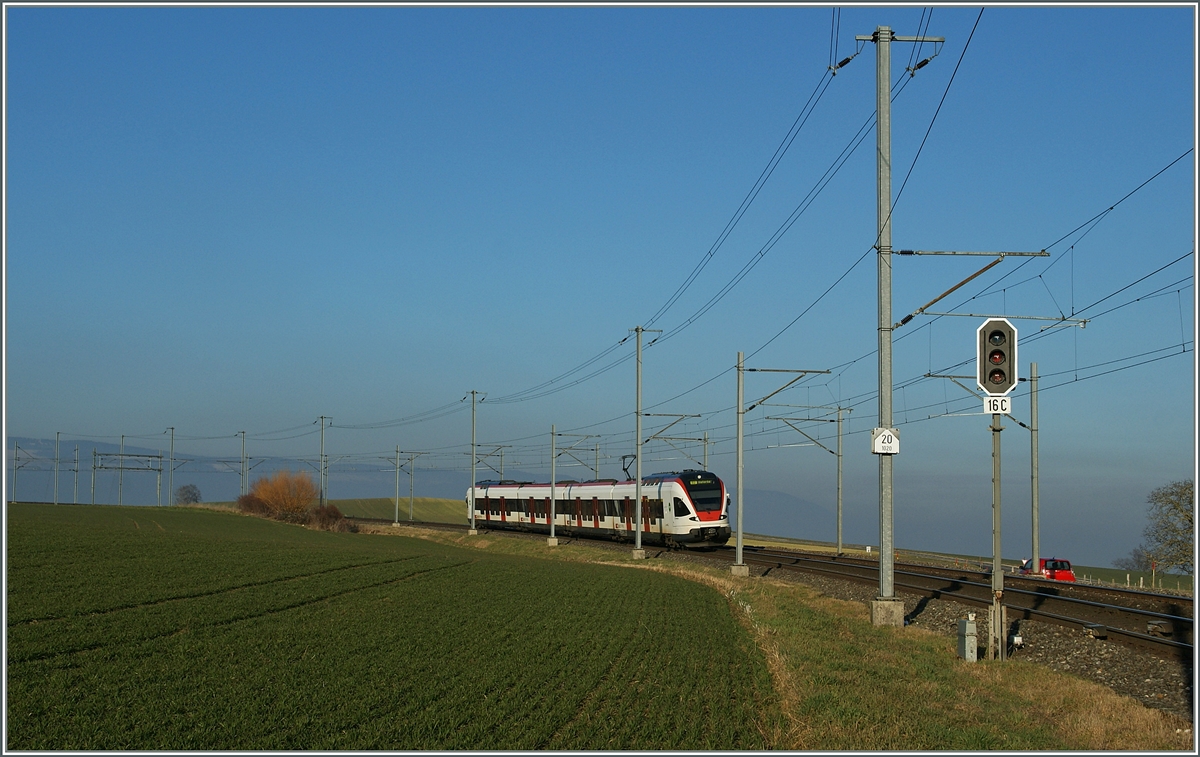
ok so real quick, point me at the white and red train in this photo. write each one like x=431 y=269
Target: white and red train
x=684 y=509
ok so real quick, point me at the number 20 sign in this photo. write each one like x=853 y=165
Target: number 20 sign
x=997 y=405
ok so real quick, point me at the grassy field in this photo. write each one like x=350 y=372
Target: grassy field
x=158 y=628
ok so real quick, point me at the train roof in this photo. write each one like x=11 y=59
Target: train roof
x=665 y=475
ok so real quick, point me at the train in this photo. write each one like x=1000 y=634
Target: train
x=680 y=509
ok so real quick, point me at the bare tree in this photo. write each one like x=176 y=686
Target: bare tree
x=1137 y=560
x=1170 y=535
x=188 y=494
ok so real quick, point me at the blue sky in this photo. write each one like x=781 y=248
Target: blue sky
x=227 y=219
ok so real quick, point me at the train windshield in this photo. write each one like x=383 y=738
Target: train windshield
x=705 y=491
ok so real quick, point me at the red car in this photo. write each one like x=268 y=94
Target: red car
x=1052 y=568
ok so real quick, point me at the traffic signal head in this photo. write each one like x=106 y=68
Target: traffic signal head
x=996 y=354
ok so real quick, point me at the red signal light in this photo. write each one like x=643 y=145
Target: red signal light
x=997 y=357
x=997 y=376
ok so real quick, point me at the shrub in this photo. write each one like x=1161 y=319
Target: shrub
x=329 y=518
x=252 y=505
x=285 y=492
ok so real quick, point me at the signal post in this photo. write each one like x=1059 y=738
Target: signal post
x=996 y=375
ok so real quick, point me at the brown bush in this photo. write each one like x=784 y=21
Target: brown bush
x=286 y=493
x=325 y=518
x=252 y=505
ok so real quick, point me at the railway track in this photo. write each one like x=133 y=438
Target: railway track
x=1162 y=623
x=1159 y=622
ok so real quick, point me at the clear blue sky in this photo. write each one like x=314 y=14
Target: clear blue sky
x=227 y=219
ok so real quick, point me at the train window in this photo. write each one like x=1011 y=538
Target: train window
x=681 y=509
x=705 y=493
x=656 y=509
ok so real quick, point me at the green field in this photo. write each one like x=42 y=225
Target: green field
x=168 y=628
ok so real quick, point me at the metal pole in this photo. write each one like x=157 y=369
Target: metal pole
x=158 y=482
x=242 y=471
x=883 y=104
x=1035 y=564
x=638 y=449
x=93 y=475
x=412 y=474
x=171 y=471
x=397 y=518
x=597 y=462
x=741 y=414
x=705 y=450
x=997 y=572
x=839 y=480
x=323 y=471
x=75 y=494
x=56 y=433
x=16 y=449
x=553 y=493
x=472 y=461
x=121 y=473
x=502 y=463
x=886 y=609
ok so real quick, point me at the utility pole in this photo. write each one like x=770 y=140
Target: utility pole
x=839 y=482
x=171 y=470
x=324 y=472
x=16 y=449
x=412 y=475
x=473 y=530
x=75 y=495
x=552 y=541
x=56 y=433
x=739 y=568
x=638 y=552
x=242 y=471
x=121 y=473
x=886 y=609
x=396 y=520
x=93 y=476
x=996 y=640
x=1035 y=564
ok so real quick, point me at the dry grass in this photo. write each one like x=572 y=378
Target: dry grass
x=843 y=684
x=1088 y=715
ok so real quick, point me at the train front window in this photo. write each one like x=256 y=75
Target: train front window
x=705 y=492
